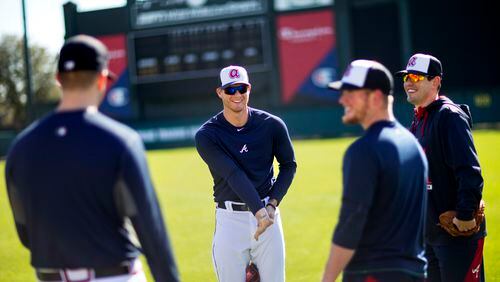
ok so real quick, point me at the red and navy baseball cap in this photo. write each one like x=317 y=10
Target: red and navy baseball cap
x=83 y=53
x=233 y=75
x=361 y=74
x=423 y=64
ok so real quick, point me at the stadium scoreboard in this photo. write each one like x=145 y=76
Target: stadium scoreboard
x=193 y=51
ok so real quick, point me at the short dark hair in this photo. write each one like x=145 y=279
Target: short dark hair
x=77 y=79
x=431 y=77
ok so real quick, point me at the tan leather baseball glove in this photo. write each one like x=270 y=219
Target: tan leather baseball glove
x=446 y=222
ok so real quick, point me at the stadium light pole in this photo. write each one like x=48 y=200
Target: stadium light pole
x=27 y=66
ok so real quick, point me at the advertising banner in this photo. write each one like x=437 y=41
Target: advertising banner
x=308 y=59
x=117 y=102
x=150 y=13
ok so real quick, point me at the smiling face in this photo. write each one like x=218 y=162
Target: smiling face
x=355 y=103
x=422 y=93
x=236 y=103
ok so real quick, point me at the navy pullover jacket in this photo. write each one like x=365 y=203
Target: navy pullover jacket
x=384 y=202
x=455 y=182
x=241 y=159
x=73 y=178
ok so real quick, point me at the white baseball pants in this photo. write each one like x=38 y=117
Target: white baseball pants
x=234 y=247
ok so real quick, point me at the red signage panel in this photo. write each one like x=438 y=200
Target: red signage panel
x=305 y=40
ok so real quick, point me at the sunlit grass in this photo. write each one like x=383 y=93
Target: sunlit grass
x=309 y=210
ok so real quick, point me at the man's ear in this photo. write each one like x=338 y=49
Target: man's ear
x=219 y=90
x=58 y=80
x=437 y=81
x=377 y=97
x=102 y=81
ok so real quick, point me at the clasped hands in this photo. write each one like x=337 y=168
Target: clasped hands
x=265 y=218
x=464 y=225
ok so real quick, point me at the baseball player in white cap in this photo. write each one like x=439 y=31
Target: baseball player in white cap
x=239 y=145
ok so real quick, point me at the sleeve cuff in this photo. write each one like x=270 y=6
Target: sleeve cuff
x=465 y=215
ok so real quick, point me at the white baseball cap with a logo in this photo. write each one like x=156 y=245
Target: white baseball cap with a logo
x=423 y=64
x=233 y=75
x=365 y=74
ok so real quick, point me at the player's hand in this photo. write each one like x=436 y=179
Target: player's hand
x=263 y=222
x=464 y=225
x=270 y=211
x=271 y=208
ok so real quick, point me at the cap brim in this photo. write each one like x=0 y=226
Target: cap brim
x=233 y=83
x=339 y=85
x=403 y=72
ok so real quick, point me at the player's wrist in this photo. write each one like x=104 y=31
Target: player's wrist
x=273 y=201
x=271 y=205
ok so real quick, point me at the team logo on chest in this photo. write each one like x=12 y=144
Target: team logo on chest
x=244 y=149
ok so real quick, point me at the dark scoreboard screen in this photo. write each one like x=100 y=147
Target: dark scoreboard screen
x=178 y=47
x=201 y=50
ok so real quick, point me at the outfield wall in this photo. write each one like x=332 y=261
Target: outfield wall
x=167 y=58
x=318 y=122
x=315 y=122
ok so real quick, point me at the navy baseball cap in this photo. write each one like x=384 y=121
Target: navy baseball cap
x=83 y=53
x=367 y=74
x=423 y=64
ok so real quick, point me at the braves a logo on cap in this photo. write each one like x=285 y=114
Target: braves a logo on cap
x=234 y=73
x=412 y=62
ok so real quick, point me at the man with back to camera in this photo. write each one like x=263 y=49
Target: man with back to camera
x=379 y=235
x=443 y=128
x=76 y=178
x=239 y=145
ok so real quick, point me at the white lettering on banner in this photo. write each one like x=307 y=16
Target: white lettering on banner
x=168 y=134
x=305 y=35
x=212 y=11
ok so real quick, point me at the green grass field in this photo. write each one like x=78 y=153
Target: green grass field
x=309 y=211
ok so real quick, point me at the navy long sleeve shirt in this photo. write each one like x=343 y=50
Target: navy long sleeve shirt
x=383 y=203
x=443 y=129
x=73 y=178
x=241 y=159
